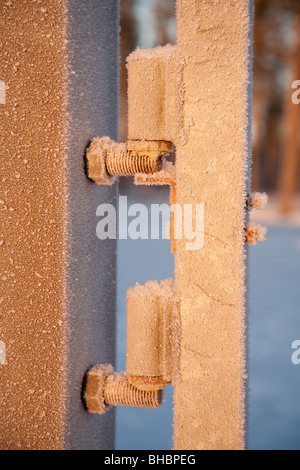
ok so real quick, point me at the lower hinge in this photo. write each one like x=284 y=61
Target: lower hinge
x=153 y=352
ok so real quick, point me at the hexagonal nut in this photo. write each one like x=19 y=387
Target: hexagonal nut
x=96 y=161
x=95 y=388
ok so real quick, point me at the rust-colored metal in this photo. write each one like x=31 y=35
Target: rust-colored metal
x=168 y=178
x=106 y=159
x=129 y=162
x=104 y=388
x=120 y=392
x=148 y=383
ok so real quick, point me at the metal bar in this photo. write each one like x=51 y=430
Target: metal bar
x=59 y=64
x=212 y=165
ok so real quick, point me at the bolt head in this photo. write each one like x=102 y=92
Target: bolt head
x=96 y=161
x=94 y=388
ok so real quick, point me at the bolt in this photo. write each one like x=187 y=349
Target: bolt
x=255 y=233
x=104 y=388
x=129 y=163
x=257 y=201
x=119 y=392
x=106 y=159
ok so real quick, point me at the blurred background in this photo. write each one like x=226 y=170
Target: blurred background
x=274 y=403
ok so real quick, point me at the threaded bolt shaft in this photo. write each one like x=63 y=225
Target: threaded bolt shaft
x=103 y=387
x=106 y=159
x=125 y=162
x=119 y=392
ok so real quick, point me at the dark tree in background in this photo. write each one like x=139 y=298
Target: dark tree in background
x=276 y=119
x=128 y=42
x=290 y=171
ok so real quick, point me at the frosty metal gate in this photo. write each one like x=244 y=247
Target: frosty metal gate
x=58 y=321
x=191 y=330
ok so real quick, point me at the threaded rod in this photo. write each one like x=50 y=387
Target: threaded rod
x=119 y=392
x=106 y=159
x=103 y=387
x=128 y=162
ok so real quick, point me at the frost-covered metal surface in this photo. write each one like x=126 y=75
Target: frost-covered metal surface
x=93 y=39
x=32 y=142
x=198 y=95
x=2 y=92
x=59 y=63
x=214 y=45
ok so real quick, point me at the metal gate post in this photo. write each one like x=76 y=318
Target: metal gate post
x=212 y=166
x=59 y=89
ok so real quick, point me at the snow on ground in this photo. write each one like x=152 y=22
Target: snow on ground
x=274 y=404
x=274 y=417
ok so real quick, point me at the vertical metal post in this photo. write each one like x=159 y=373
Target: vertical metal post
x=213 y=159
x=59 y=67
